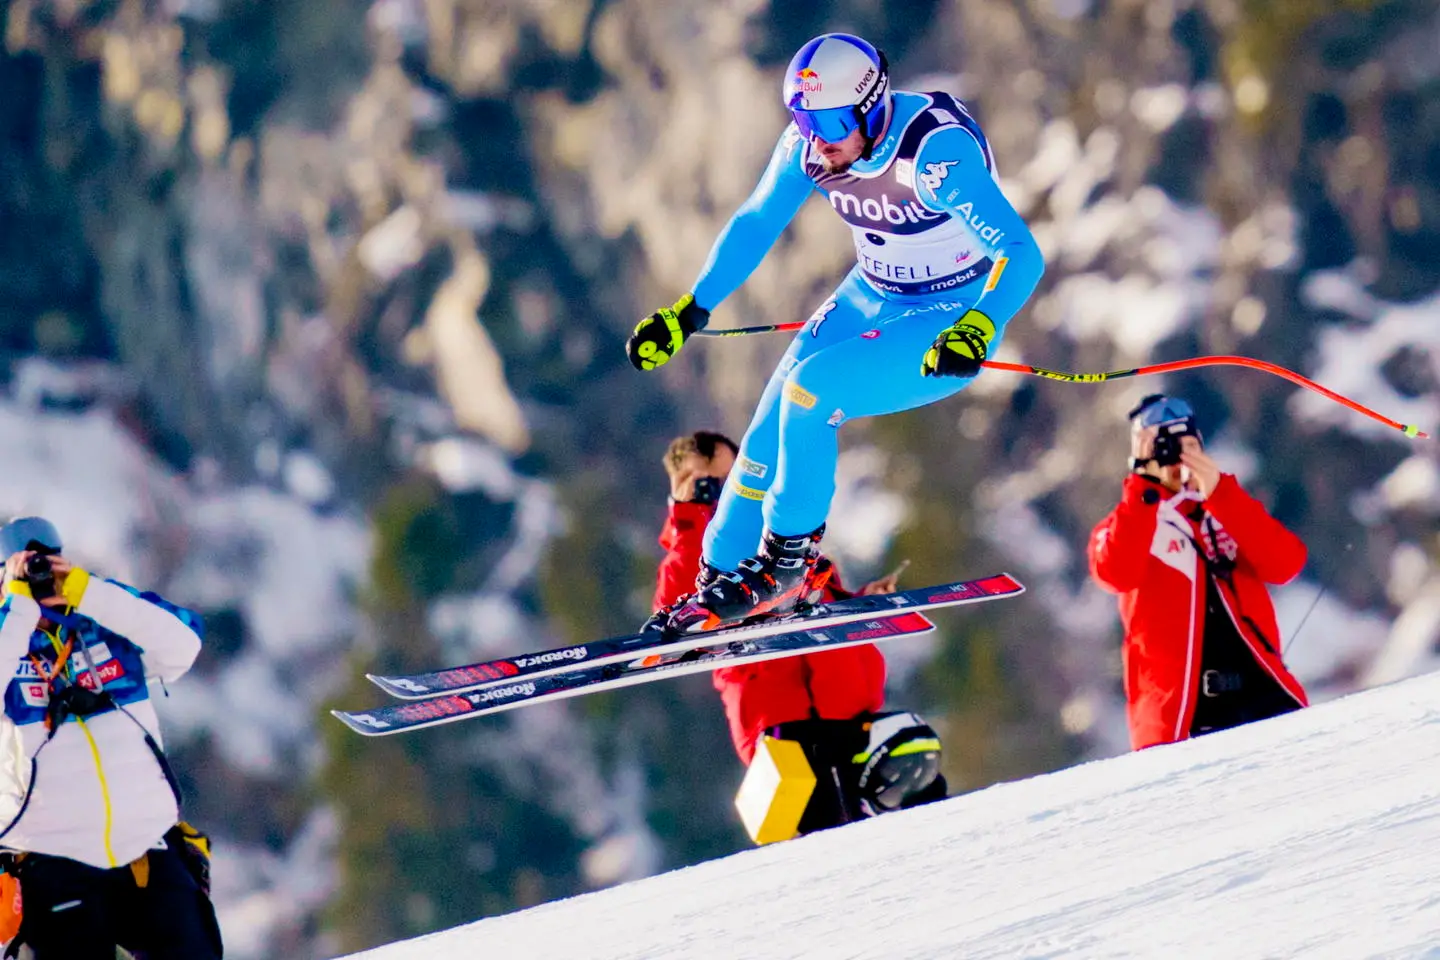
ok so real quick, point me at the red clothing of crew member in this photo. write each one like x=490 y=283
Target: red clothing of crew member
x=1164 y=553
x=833 y=685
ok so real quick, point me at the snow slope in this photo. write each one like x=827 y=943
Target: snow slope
x=1312 y=835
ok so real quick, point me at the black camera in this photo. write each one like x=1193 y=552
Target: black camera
x=1167 y=447
x=76 y=701
x=707 y=489
x=40 y=575
x=1172 y=419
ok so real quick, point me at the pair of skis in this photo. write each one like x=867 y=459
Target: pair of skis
x=489 y=687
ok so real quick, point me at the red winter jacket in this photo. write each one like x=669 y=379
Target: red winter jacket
x=834 y=685
x=1145 y=551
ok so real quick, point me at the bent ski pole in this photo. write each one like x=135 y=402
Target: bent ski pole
x=1195 y=362
x=1171 y=367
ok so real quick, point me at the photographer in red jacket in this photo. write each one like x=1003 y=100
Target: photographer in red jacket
x=1190 y=554
x=829 y=701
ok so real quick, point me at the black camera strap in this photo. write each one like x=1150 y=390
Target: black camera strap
x=1222 y=567
x=160 y=757
x=102 y=700
x=50 y=672
x=62 y=702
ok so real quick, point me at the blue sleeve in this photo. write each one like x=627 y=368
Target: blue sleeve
x=755 y=227
x=950 y=175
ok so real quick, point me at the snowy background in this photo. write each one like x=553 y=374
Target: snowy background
x=313 y=321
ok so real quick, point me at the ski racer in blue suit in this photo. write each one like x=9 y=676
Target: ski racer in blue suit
x=942 y=263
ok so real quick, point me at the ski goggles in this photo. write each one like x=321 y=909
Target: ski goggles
x=1163 y=410
x=29 y=533
x=831 y=125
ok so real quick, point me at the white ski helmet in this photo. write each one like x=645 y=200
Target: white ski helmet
x=835 y=84
x=901 y=759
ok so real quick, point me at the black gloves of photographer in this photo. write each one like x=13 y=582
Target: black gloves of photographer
x=960 y=348
x=660 y=336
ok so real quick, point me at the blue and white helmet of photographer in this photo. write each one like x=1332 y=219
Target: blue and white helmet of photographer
x=1158 y=410
x=29 y=533
x=836 y=84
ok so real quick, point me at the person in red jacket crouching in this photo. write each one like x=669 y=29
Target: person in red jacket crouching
x=831 y=702
x=1190 y=553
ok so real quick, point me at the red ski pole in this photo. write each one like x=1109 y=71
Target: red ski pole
x=1171 y=367
x=1195 y=362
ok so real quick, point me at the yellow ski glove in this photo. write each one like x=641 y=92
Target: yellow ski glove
x=660 y=336
x=960 y=348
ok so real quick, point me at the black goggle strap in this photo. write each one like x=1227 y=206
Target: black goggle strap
x=882 y=84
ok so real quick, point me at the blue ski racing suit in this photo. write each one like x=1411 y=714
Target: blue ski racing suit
x=934 y=238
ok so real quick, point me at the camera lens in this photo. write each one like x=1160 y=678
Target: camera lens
x=707 y=489
x=40 y=575
x=1166 y=450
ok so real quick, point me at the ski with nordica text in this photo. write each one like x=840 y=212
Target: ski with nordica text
x=509 y=670
x=450 y=707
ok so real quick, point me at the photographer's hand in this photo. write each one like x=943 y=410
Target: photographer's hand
x=685 y=484
x=1142 y=452
x=886 y=584
x=1142 y=448
x=60 y=568
x=15 y=565
x=1202 y=474
x=682 y=486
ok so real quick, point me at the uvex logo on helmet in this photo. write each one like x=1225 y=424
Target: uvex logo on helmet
x=876 y=91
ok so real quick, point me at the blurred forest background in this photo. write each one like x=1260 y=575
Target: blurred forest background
x=312 y=319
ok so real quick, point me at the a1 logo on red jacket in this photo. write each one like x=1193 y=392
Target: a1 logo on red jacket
x=1173 y=547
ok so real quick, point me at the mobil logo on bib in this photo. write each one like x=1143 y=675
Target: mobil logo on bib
x=907 y=216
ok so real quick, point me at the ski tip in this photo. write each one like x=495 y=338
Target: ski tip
x=1006 y=583
x=350 y=720
x=402 y=688
x=389 y=685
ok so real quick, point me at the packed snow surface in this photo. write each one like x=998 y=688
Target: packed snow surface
x=1316 y=834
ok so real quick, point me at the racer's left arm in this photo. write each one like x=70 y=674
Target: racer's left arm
x=951 y=177
x=168 y=636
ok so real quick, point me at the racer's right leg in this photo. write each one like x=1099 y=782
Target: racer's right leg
x=735 y=531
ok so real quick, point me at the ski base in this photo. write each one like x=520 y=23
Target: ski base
x=448 y=708
x=495 y=686
x=511 y=670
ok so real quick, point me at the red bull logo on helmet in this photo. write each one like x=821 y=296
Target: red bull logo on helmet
x=807 y=81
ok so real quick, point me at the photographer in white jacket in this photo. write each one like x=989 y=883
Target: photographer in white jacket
x=89 y=808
